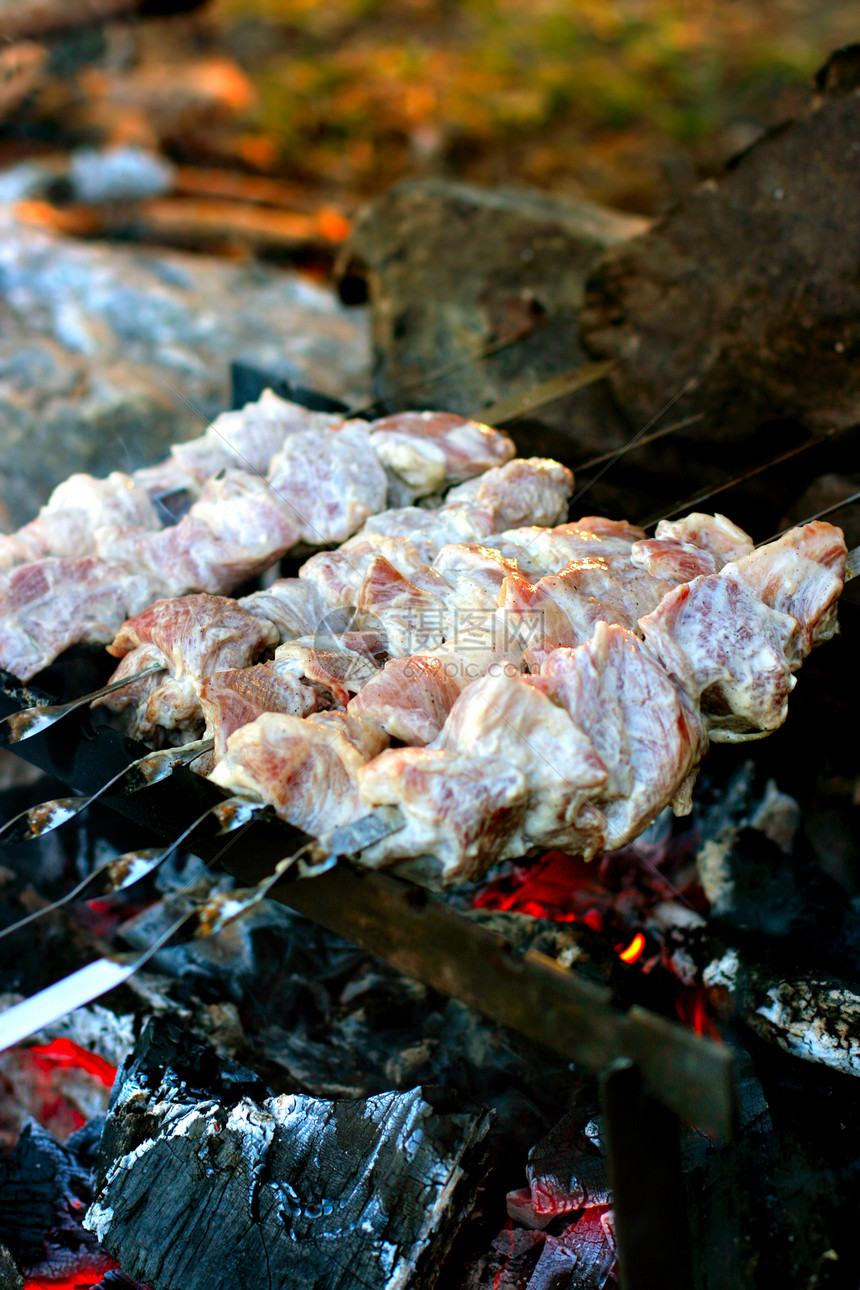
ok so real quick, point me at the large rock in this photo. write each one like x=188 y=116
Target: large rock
x=110 y=353
x=452 y=269
x=745 y=300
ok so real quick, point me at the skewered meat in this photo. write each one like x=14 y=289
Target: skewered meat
x=733 y=639
x=646 y=731
x=427 y=451
x=49 y=605
x=411 y=697
x=411 y=616
x=698 y=544
x=638 y=705
x=235 y=698
x=67 y=526
x=728 y=651
x=304 y=767
x=472 y=610
x=246 y=439
x=562 y=609
x=539 y=551
x=336 y=576
x=324 y=482
x=294 y=606
x=800 y=574
x=234 y=531
x=194 y=637
x=459 y=808
x=532 y=490
x=602 y=739
x=331 y=483
x=713 y=533
x=341 y=663
x=508 y=718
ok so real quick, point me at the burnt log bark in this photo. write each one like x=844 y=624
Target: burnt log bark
x=289 y=1190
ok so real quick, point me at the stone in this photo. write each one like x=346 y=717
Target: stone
x=110 y=353
x=452 y=269
x=744 y=301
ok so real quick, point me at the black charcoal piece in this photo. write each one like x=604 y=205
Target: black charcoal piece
x=291 y=1190
x=45 y=1187
x=10 y=1276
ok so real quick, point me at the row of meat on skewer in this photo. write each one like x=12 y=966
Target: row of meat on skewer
x=509 y=683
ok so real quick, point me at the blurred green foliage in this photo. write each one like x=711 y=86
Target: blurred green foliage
x=624 y=101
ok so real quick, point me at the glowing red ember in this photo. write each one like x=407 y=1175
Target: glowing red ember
x=65 y=1052
x=633 y=950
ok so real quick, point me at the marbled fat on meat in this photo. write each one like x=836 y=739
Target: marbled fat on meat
x=429 y=530
x=66 y=526
x=235 y=530
x=689 y=548
x=673 y=560
x=304 y=767
x=342 y=663
x=712 y=533
x=460 y=811
x=234 y=698
x=505 y=718
x=411 y=697
x=801 y=574
x=410 y=616
x=338 y=575
x=647 y=733
x=426 y=451
x=247 y=439
x=330 y=483
x=528 y=490
x=294 y=606
x=49 y=605
x=728 y=651
x=194 y=637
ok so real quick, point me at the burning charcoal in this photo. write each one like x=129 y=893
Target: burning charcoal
x=567 y=1170
x=299 y=1191
x=509 y=1263
x=45 y=1187
x=582 y=1258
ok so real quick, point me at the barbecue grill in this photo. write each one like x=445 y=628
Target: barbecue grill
x=653 y=1073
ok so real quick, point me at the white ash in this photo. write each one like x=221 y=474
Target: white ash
x=723 y=971
x=815 y=1021
x=777 y=817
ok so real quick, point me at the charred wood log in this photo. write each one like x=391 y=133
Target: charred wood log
x=288 y=1190
x=781 y=951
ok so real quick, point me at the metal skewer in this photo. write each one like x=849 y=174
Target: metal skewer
x=88 y=983
x=125 y=870
x=36 y=821
x=22 y=725
x=690 y=502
